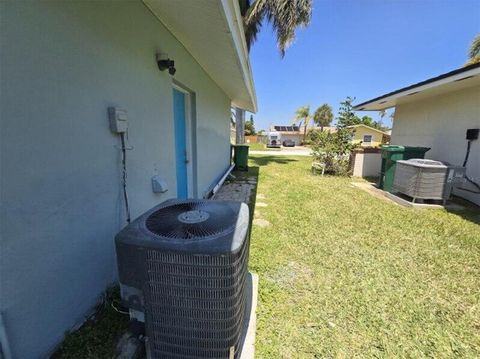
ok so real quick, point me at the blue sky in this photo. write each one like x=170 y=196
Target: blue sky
x=361 y=48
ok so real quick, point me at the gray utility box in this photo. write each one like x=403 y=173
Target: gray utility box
x=427 y=179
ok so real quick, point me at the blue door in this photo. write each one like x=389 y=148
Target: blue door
x=180 y=143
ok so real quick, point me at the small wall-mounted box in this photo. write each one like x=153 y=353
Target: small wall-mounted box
x=159 y=185
x=472 y=134
x=118 y=120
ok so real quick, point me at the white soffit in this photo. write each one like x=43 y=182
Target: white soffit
x=212 y=31
x=452 y=81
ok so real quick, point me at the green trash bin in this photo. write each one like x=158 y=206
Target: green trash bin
x=390 y=155
x=240 y=157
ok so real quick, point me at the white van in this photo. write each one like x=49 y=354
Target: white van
x=274 y=139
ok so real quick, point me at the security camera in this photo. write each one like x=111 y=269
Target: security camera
x=165 y=63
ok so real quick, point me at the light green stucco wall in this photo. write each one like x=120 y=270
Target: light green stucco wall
x=62 y=65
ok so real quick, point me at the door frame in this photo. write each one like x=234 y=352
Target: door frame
x=190 y=137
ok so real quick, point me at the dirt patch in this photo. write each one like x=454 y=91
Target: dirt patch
x=291 y=273
x=261 y=222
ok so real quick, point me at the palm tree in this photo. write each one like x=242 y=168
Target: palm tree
x=302 y=115
x=392 y=116
x=284 y=15
x=382 y=114
x=323 y=116
x=474 y=51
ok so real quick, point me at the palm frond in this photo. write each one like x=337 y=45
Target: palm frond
x=284 y=15
x=302 y=112
x=474 y=50
x=253 y=21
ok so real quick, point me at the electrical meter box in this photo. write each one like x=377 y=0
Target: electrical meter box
x=118 y=120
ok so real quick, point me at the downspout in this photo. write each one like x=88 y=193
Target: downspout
x=4 y=345
x=239 y=126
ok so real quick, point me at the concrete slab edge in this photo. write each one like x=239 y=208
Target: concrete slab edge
x=250 y=323
x=405 y=203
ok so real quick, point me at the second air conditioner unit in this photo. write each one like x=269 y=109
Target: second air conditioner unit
x=426 y=179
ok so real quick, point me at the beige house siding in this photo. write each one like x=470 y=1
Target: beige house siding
x=440 y=122
x=361 y=131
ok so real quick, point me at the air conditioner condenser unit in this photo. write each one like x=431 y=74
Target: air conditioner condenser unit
x=427 y=179
x=182 y=269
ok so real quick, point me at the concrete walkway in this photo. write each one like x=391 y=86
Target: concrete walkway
x=240 y=189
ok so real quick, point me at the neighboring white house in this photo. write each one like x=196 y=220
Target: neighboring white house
x=62 y=65
x=436 y=113
x=295 y=133
x=288 y=133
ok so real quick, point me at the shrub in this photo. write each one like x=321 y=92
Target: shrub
x=333 y=150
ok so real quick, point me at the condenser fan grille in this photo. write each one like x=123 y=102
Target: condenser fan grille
x=190 y=220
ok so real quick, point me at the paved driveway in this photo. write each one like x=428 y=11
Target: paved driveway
x=286 y=151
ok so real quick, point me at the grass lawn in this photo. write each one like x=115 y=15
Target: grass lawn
x=261 y=147
x=344 y=274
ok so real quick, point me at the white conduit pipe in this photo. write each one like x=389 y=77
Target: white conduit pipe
x=224 y=177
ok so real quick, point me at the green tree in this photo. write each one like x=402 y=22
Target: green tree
x=302 y=116
x=368 y=121
x=285 y=16
x=323 y=116
x=474 y=51
x=346 y=116
x=250 y=127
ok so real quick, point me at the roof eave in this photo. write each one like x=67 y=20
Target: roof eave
x=234 y=20
x=369 y=127
x=390 y=99
x=226 y=60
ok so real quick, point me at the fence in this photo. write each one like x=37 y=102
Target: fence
x=367 y=162
x=255 y=139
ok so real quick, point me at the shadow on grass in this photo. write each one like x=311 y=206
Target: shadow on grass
x=265 y=160
x=471 y=211
x=373 y=180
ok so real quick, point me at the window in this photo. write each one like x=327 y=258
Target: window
x=367 y=138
